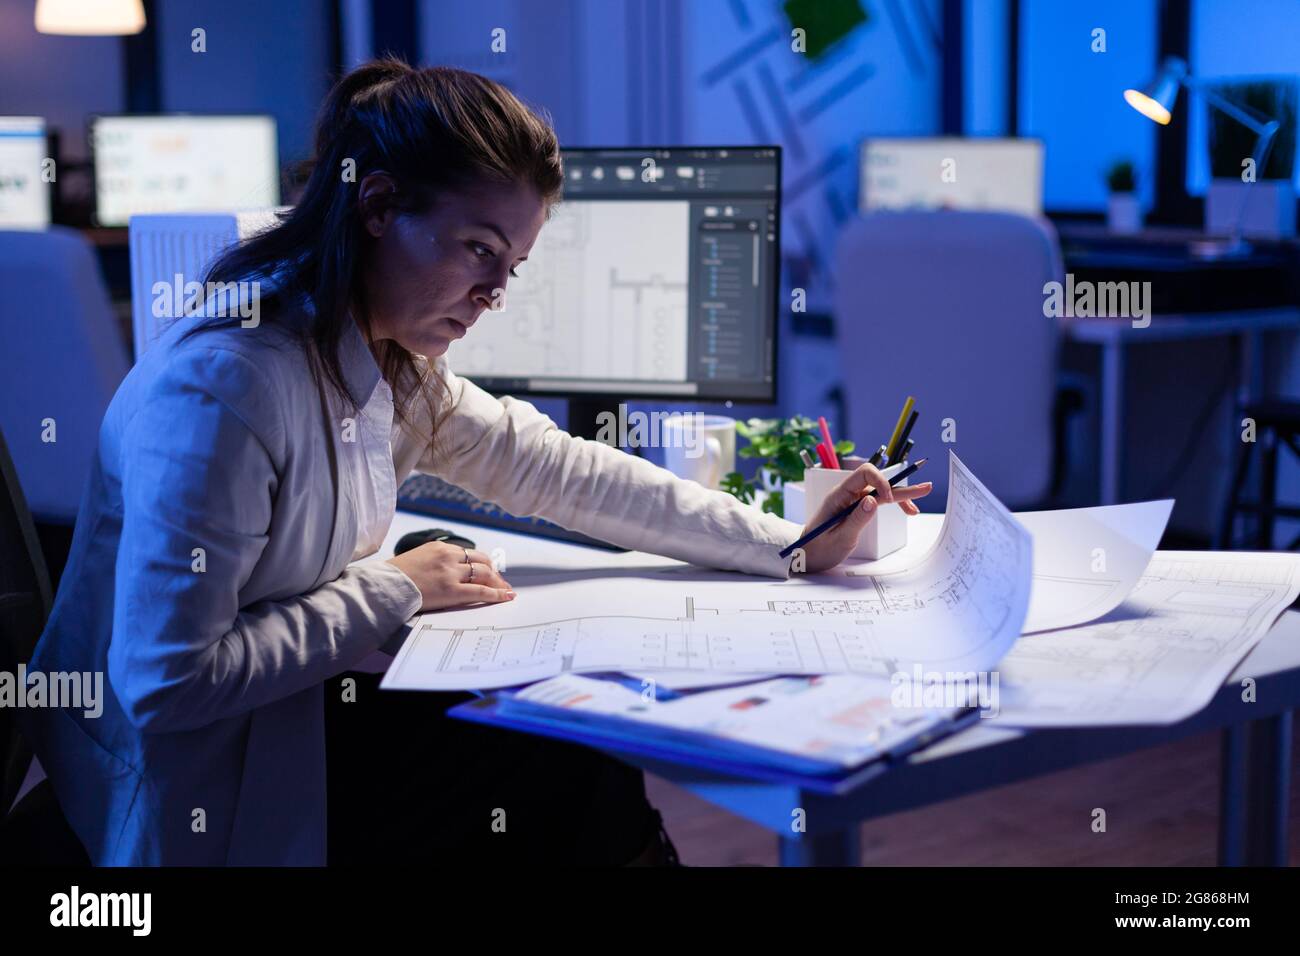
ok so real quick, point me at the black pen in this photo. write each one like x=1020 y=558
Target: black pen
x=902 y=440
x=835 y=519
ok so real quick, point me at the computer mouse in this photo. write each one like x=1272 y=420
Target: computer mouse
x=416 y=538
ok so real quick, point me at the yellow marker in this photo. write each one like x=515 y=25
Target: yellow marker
x=898 y=429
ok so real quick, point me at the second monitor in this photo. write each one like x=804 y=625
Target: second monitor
x=182 y=163
x=992 y=174
x=655 y=277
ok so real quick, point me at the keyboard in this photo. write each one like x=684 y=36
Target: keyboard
x=427 y=495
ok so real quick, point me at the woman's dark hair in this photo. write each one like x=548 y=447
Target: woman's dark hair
x=431 y=130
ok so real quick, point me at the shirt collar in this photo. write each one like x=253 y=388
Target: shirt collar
x=360 y=371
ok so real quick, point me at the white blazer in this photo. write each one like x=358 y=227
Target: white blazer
x=211 y=746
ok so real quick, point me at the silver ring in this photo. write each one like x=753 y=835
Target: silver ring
x=471 y=575
x=467 y=560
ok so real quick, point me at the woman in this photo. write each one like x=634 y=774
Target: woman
x=242 y=470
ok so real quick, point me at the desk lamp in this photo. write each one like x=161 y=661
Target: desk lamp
x=1156 y=102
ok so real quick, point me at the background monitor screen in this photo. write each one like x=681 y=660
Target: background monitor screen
x=995 y=175
x=656 y=276
x=151 y=164
x=24 y=189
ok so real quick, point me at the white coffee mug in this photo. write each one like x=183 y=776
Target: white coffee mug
x=700 y=447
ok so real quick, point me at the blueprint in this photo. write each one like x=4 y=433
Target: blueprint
x=1162 y=654
x=1086 y=560
x=579 y=262
x=960 y=607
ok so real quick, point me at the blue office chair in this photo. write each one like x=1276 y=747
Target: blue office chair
x=65 y=358
x=948 y=307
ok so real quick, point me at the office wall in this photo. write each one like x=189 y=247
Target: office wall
x=63 y=79
x=882 y=78
x=691 y=72
x=1073 y=97
x=544 y=59
x=261 y=58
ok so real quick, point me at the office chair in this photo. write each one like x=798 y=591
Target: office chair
x=34 y=831
x=65 y=359
x=948 y=307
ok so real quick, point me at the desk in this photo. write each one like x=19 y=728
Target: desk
x=1256 y=747
x=1113 y=336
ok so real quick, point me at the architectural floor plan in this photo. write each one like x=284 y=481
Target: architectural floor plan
x=1162 y=654
x=960 y=607
x=542 y=332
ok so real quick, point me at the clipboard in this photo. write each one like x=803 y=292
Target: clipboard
x=624 y=736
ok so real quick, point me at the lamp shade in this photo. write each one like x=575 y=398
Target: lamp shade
x=1156 y=100
x=89 y=17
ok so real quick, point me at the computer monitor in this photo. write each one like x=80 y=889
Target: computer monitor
x=171 y=250
x=24 y=187
x=993 y=175
x=656 y=277
x=181 y=163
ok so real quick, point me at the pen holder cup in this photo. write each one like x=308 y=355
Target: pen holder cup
x=884 y=534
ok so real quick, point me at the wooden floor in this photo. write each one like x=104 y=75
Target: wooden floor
x=1161 y=808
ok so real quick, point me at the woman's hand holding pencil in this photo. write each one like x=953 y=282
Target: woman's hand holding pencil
x=828 y=548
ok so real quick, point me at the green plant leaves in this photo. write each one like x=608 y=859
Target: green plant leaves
x=777 y=443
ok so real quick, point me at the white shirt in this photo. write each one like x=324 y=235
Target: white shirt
x=372 y=472
x=375 y=483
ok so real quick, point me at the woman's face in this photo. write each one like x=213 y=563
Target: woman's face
x=430 y=276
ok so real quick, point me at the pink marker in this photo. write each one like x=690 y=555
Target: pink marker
x=830 y=445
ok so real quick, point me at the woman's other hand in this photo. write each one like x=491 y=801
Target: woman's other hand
x=829 y=549
x=450 y=576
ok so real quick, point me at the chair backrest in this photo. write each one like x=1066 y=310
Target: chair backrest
x=24 y=606
x=64 y=360
x=948 y=307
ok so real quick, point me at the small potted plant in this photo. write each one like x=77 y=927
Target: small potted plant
x=1123 y=211
x=778 y=443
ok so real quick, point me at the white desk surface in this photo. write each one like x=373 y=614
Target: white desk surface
x=1278 y=651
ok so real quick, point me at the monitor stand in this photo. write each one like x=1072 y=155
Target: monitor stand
x=586 y=413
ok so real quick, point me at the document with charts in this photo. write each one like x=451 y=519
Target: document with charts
x=1162 y=654
x=959 y=607
x=835 y=721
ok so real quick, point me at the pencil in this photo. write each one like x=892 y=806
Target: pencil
x=839 y=516
x=902 y=438
x=898 y=429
